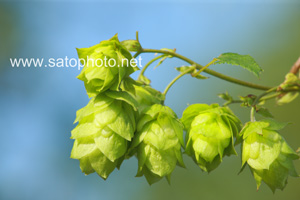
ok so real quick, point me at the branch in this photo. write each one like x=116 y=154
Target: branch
x=209 y=71
x=296 y=67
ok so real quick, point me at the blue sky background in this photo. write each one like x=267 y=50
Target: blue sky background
x=38 y=105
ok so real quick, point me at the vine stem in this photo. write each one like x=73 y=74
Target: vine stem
x=176 y=78
x=193 y=67
x=252 y=114
x=148 y=64
x=208 y=71
x=256 y=101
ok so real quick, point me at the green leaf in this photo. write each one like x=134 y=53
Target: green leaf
x=225 y=96
x=183 y=69
x=264 y=112
x=253 y=127
x=245 y=61
x=274 y=125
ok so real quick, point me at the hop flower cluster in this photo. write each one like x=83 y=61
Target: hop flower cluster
x=122 y=119
x=126 y=118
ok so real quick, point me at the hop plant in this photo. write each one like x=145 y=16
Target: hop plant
x=210 y=131
x=158 y=143
x=127 y=117
x=106 y=64
x=105 y=127
x=268 y=155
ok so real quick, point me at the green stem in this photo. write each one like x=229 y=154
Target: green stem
x=270 y=96
x=176 y=78
x=148 y=64
x=232 y=102
x=209 y=71
x=256 y=101
x=252 y=114
x=205 y=67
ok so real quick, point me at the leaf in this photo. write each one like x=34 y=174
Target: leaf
x=274 y=125
x=225 y=96
x=245 y=61
x=253 y=127
x=185 y=68
x=264 y=112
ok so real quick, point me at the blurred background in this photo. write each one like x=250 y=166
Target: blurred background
x=38 y=105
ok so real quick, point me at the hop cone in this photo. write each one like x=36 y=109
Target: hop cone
x=146 y=96
x=158 y=143
x=268 y=155
x=210 y=132
x=100 y=74
x=105 y=126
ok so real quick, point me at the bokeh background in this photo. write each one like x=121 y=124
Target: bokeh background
x=38 y=105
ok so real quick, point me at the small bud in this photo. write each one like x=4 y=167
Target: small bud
x=132 y=45
x=268 y=155
x=210 y=131
x=291 y=82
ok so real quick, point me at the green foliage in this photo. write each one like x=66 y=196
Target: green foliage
x=126 y=118
x=245 y=61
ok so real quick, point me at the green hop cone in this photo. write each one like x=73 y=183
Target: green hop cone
x=106 y=125
x=158 y=143
x=210 y=131
x=146 y=96
x=105 y=65
x=268 y=155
